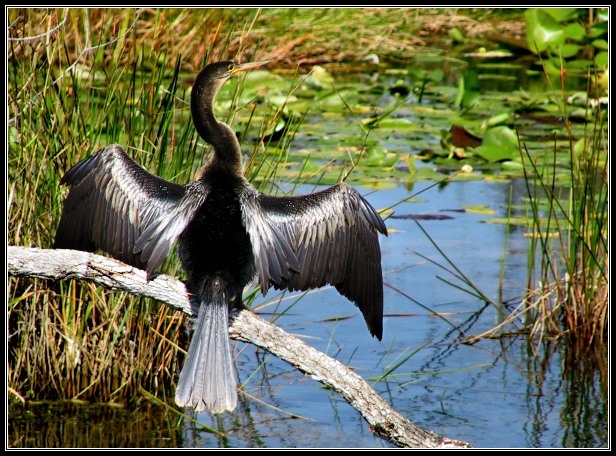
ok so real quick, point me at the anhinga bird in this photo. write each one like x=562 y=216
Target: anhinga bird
x=228 y=234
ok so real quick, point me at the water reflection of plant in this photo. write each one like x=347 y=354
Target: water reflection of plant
x=70 y=425
x=583 y=387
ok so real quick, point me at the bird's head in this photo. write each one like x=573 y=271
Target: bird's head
x=208 y=83
x=226 y=69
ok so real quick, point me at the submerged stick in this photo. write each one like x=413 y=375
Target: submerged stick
x=246 y=326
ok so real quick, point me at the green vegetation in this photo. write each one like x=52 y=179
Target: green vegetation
x=82 y=79
x=71 y=340
x=566 y=205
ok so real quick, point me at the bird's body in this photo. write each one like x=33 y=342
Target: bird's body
x=228 y=234
x=215 y=242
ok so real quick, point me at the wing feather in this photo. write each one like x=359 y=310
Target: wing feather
x=275 y=258
x=158 y=237
x=328 y=237
x=111 y=202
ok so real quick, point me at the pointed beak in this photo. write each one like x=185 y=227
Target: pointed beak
x=248 y=66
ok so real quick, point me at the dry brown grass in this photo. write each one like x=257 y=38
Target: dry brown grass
x=76 y=342
x=291 y=36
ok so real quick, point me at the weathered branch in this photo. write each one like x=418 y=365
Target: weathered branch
x=246 y=326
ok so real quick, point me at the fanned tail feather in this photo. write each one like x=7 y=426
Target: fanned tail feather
x=208 y=380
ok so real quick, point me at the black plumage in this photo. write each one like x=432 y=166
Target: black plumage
x=228 y=234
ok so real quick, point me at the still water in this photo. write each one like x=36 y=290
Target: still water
x=491 y=394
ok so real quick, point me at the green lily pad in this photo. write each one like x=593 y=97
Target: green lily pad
x=543 y=31
x=602 y=59
x=575 y=31
x=456 y=35
x=512 y=166
x=562 y=14
x=499 y=143
x=569 y=50
x=499 y=119
x=601 y=44
x=468 y=89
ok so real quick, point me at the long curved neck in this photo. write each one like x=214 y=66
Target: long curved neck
x=227 y=152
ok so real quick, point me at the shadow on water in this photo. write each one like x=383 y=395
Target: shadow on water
x=69 y=425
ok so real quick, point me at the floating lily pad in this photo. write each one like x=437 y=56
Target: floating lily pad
x=499 y=144
x=479 y=209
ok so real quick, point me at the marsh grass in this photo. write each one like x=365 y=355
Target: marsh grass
x=569 y=286
x=71 y=340
x=566 y=297
x=83 y=79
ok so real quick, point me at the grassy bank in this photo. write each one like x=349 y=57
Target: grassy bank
x=81 y=79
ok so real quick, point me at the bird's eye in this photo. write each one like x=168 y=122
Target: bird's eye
x=231 y=66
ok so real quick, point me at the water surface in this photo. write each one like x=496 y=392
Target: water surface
x=494 y=393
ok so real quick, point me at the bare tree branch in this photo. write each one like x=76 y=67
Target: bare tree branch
x=246 y=326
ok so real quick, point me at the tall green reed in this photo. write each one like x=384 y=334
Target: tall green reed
x=73 y=340
x=568 y=249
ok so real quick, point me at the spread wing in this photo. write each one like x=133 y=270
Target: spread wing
x=328 y=237
x=113 y=202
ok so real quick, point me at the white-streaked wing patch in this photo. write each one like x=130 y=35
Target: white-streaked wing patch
x=111 y=201
x=334 y=237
